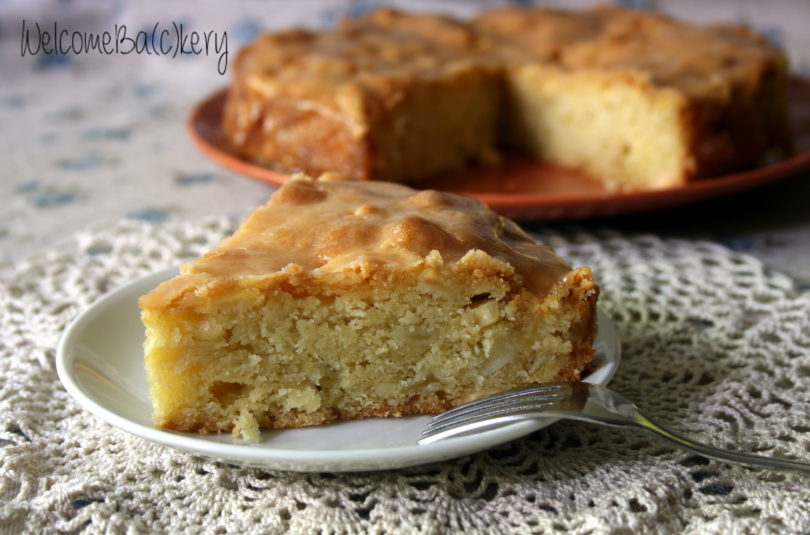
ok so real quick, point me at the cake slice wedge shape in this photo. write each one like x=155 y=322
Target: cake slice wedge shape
x=343 y=300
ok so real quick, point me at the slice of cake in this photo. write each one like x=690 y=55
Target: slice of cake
x=638 y=99
x=393 y=96
x=342 y=300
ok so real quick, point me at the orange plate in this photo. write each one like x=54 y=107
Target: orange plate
x=532 y=191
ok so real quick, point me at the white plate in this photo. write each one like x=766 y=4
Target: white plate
x=100 y=362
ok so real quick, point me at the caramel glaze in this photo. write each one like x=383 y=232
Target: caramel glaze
x=364 y=65
x=698 y=60
x=376 y=53
x=332 y=226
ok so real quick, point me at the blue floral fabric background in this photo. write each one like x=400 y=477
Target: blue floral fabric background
x=89 y=138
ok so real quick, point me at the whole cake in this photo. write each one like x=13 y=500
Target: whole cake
x=350 y=299
x=635 y=99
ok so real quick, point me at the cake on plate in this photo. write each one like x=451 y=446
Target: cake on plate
x=351 y=299
x=636 y=99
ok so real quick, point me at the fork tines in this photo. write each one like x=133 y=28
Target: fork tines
x=502 y=404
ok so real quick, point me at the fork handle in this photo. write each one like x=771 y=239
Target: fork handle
x=747 y=459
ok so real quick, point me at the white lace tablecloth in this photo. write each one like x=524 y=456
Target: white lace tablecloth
x=714 y=344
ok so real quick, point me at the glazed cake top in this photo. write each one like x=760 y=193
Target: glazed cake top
x=332 y=227
x=689 y=57
x=374 y=53
x=369 y=58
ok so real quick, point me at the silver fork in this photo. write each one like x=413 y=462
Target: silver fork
x=578 y=401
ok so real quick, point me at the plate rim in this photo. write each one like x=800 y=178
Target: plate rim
x=340 y=460
x=525 y=206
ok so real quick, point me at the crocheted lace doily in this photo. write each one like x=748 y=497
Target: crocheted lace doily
x=713 y=345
